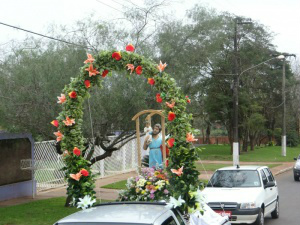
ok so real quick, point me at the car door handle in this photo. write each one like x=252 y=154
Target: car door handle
x=271 y=189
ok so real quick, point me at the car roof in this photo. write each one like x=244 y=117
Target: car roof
x=119 y=212
x=242 y=168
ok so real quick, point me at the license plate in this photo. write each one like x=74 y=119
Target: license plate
x=223 y=213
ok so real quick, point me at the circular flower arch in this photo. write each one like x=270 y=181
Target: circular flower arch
x=180 y=165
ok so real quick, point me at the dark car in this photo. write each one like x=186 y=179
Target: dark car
x=297 y=169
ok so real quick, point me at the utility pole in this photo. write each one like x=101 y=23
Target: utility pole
x=283 y=137
x=236 y=82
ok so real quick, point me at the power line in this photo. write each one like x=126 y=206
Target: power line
x=45 y=36
x=121 y=4
x=110 y=6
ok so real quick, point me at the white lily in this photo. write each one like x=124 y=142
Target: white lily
x=176 y=202
x=85 y=202
x=199 y=197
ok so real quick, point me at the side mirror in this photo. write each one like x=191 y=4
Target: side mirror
x=295 y=158
x=270 y=184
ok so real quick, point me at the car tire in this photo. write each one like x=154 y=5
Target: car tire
x=260 y=220
x=275 y=213
x=296 y=178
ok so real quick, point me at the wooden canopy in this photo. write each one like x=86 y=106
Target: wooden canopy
x=151 y=112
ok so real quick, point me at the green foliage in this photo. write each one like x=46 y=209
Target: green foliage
x=292 y=139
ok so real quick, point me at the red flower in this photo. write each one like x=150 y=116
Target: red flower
x=171 y=142
x=139 y=70
x=187 y=99
x=151 y=81
x=130 y=48
x=117 y=56
x=76 y=151
x=73 y=94
x=171 y=116
x=87 y=83
x=92 y=71
x=104 y=73
x=90 y=59
x=84 y=172
x=158 y=98
x=54 y=123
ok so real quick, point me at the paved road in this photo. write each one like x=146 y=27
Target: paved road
x=289 y=203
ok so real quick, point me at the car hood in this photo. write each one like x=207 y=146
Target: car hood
x=231 y=194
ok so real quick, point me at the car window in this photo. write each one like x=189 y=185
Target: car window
x=179 y=218
x=235 y=178
x=264 y=177
x=269 y=174
x=170 y=221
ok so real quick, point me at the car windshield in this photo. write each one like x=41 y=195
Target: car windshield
x=235 y=178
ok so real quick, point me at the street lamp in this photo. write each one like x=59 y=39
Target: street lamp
x=235 y=153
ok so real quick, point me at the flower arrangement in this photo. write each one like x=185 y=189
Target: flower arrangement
x=150 y=185
x=180 y=166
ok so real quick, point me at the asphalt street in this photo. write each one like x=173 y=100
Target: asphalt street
x=289 y=201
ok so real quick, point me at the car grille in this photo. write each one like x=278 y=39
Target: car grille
x=223 y=205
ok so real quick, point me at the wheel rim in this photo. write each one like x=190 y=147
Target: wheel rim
x=262 y=220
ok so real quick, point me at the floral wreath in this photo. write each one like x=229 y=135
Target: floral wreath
x=180 y=164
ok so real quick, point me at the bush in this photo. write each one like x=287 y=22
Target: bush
x=292 y=139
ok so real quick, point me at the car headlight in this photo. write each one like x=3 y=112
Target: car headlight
x=248 y=205
x=297 y=166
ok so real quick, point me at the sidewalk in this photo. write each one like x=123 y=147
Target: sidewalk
x=111 y=194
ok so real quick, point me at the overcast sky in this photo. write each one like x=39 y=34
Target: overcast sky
x=281 y=16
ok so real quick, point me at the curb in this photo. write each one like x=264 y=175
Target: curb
x=283 y=170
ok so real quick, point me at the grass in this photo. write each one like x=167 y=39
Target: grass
x=260 y=154
x=41 y=212
x=117 y=185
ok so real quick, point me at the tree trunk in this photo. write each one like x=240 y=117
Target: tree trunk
x=245 y=141
x=252 y=142
x=68 y=200
x=203 y=136
x=230 y=138
x=208 y=134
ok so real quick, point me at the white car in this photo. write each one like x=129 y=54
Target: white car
x=246 y=194
x=126 y=213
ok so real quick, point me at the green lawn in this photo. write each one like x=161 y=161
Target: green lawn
x=117 y=185
x=42 y=212
x=263 y=154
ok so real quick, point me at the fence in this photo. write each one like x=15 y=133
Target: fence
x=49 y=174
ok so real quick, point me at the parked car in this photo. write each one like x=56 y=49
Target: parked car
x=125 y=213
x=246 y=194
x=297 y=169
